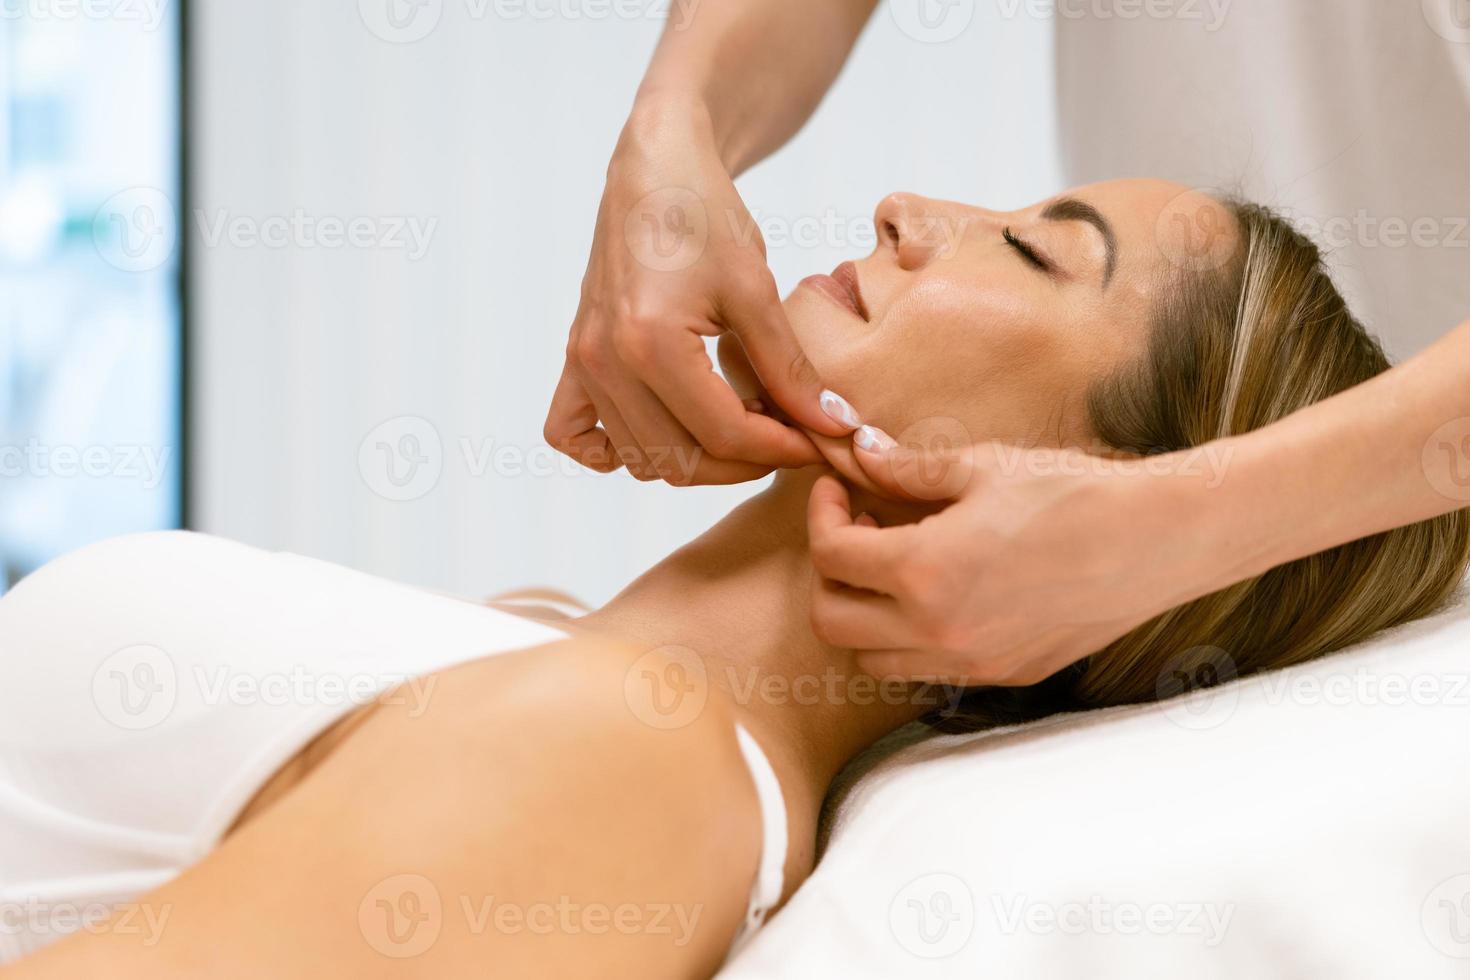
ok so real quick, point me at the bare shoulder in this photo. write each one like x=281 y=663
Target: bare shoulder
x=658 y=701
x=577 y=723
x=590 y=783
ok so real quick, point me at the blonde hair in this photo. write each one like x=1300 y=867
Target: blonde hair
x=1232 y=350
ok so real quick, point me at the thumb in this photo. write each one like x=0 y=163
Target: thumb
x=918 y=473
x=753 y=313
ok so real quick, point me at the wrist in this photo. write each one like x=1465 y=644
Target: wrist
x=677 y=119
x=1246 y=530
x=1207 y=503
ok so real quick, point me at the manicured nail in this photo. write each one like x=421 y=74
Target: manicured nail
x=838 y=410
x=873 y=439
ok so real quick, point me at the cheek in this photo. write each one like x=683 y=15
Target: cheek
x=981 y=356
x=998 y=362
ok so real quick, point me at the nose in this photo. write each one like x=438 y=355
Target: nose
x=905 y=225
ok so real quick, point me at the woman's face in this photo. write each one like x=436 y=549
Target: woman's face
x=993 y=325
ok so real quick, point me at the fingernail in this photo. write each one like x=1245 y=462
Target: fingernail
x=755 y=405
x=838 y=410
x=866 y=520
x=873 y=439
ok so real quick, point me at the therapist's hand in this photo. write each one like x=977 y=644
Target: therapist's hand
x=1038 y=559
x=676 y=258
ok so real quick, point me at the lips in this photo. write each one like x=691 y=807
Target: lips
x=843 y=288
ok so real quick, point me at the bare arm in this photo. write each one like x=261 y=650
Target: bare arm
x=676 y=257
x=1390 y=452
x=759 y=67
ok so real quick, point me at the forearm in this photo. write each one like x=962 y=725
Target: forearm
x=758 y=67
x=1379 y=456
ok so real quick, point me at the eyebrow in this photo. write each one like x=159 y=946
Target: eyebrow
x=1071 y=209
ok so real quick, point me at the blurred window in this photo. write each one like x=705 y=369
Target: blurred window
x=89 y=272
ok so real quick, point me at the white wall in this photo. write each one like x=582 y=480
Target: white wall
x=499 y=129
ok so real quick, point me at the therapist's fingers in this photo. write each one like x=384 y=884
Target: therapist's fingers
x=671 y=451
x=628 y=450
x=571 y=426
x=930 y=473
x=680 y=374
x=853 y=553
x=751 y=309
x=856 y=619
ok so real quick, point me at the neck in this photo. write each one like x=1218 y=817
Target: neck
x=739 y=597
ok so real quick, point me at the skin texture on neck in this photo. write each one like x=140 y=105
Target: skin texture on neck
x=739 y=597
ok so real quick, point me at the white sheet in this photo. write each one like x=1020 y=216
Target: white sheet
x=1310 y=823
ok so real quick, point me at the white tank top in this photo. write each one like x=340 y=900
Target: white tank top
x=1351 y=115
x=151 y=685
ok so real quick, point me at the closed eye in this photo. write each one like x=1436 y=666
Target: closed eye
x=1030 y=254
